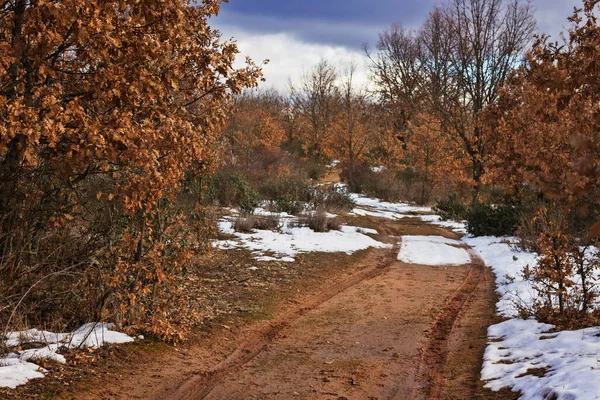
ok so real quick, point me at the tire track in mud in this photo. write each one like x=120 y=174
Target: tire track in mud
x=430 y=373
x=202 y=384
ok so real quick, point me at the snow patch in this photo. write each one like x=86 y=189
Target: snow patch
x=376 y=208
x=432 y=250
x=17 y=368
x=401 y=208
x=507 y=262
x=289 y=241
x=568 y=360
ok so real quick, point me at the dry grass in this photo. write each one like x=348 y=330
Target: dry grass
x=318 y=221
x=246 y=223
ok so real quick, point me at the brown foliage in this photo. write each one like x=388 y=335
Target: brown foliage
x=544 y=129
x=565 y=272
x=256 y=124
x=127 y=94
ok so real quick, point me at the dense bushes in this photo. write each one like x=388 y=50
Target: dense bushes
x=493 y=220
x=357 y=177
x=565 y=274
x=396 y=183
x=318 y=221
x=246 y=223
x=232 y=189
x=105 y=264
x=331 y=199
x=482 y=219
x=286 y=194
x=314 y=169
x=290 y=193
x=385 y=185
x=451 y=208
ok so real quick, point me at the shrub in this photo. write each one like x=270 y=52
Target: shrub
x=331 y=199
x=288 y=194
x=334 y=224
x=451 y=208
x=387 y=184
x=319 y=222
x=565 y=273
x=246 y=223
x=267 y=222
x=104 y=264
x=357 y=177
x=243 y=223
x=231 y=189
x=315 y=169
x=490 y=220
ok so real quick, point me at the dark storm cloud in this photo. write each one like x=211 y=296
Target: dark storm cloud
x=322 y=31
x=350 y=23
x=374 y=11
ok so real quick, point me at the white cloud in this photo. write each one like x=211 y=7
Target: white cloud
x=293 y=46
x=290 y=57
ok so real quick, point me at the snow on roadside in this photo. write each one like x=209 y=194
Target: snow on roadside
x=401 y=208
x=288 y=242
x=366 y=206
x=523 y=355
x=432 y=250
x=17 y=367
x=567 y=362
x=507 y=262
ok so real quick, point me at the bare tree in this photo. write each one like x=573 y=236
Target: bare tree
x=454 y=66
x=317 y=98
x=355 y=135
x=395 y=68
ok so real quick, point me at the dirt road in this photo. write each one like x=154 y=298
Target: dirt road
x=388 y=330
x=366 y=342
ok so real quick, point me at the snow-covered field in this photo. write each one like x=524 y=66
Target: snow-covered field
x=432 y=250
x=18 y=367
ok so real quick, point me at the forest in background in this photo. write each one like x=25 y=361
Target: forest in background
x=125 y=126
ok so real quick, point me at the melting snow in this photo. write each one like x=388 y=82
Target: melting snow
x=288 y=242
x=395 y=211
x=569 y=361
x=432 y=250
x=17 y=368
x=378 y=205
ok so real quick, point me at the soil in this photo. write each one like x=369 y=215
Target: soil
x=360 y=327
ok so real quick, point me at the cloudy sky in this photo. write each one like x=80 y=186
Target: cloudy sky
x=296 y=34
